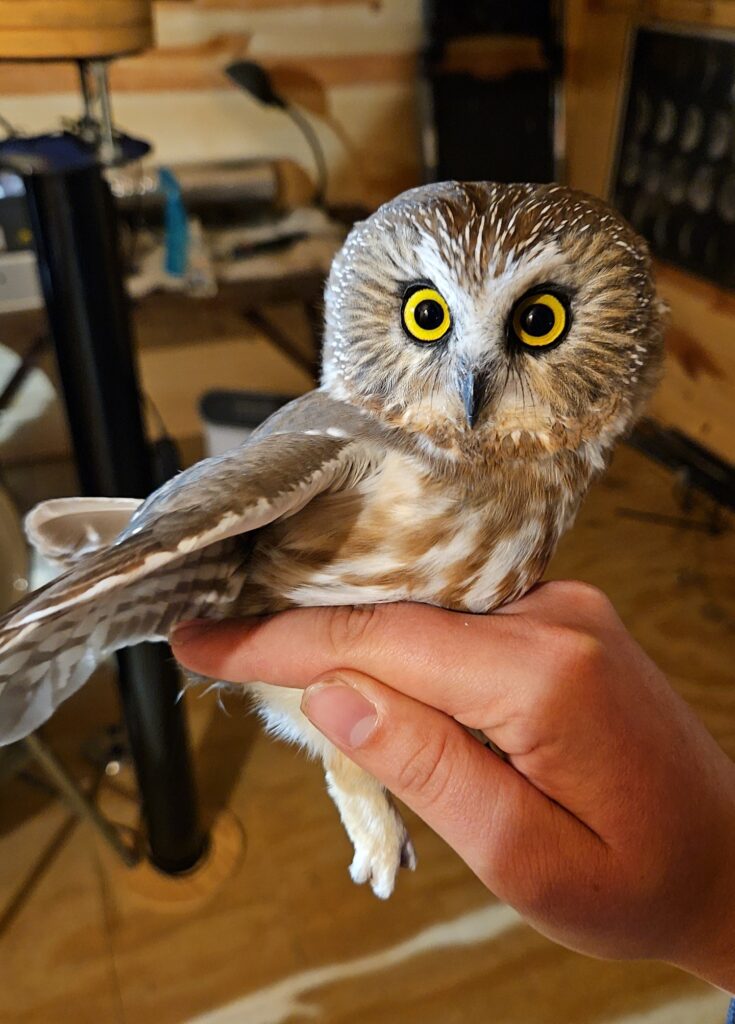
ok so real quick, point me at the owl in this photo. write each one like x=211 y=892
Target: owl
x=484 y=347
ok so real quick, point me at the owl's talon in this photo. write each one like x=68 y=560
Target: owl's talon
x=408 y=854
x=360 y=868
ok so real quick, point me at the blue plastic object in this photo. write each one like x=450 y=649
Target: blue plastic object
x=176 y=224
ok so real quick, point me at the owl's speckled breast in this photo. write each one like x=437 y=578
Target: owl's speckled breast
x=406 y=534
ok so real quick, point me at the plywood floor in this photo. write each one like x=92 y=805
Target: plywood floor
x=289 y=937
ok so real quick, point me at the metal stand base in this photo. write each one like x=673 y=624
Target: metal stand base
x=76 y=799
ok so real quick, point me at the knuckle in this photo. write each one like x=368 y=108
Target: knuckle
x=349 y=626
x=570 y=647
x=584 y=656
x=427 y=771
x=573 y=660
x=583 y=597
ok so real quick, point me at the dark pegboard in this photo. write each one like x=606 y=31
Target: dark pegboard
x=483 y=127
x=448 y=19
x=505 y=131
x=674 y=173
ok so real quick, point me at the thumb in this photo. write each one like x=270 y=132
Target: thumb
x=491 y=815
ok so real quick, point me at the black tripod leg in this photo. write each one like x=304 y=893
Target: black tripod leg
x=82 y=279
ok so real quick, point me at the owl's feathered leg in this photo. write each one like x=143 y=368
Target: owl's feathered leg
x=373 y=824
x=382 y=844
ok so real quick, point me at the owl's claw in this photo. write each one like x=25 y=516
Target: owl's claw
x=379 y=872
x=378 y=859
x=408 y=854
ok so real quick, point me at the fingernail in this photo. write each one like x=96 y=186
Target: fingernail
x=340 y=712
x=185 y=632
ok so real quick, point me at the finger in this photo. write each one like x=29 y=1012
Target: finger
x=491 y=815
x=457 y=662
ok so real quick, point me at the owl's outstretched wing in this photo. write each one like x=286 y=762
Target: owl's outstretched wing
x=181 y=555
x=63 y=530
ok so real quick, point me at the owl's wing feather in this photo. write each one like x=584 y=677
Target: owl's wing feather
x=179 y=557
x=65 y=529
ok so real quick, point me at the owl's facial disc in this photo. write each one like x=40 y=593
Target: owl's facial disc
x=494 y=318
x=538 y=322
x=426 y=320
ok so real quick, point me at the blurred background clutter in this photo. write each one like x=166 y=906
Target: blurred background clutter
x=175 y=179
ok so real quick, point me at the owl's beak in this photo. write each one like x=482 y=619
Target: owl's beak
x=473 y=388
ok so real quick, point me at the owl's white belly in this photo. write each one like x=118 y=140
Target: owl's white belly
x=416 y=541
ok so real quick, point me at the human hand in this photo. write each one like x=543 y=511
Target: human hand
x=611 y=828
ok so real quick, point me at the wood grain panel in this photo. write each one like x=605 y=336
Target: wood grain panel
x=36 y=29
x=491 y=57
x=263 y=5
x=597 y=34
x=596 y=39
x=393 y=25
x=201 y=67
x=712 y=13
x=170 y=67
x=697 y=12
x=697 y=394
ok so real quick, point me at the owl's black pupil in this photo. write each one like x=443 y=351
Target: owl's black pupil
x=537 y=319
x=429 y=315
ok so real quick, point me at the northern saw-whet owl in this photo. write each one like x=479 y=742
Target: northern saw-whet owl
x=485 y=345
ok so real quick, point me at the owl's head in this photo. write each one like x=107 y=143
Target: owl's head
x=517 y=319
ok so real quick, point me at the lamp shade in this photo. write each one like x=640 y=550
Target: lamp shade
x=253 y=79
x=73 y=29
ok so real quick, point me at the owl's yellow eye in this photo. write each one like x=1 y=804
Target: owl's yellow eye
x=540 y=319
x=425 y=314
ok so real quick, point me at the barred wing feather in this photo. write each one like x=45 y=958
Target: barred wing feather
x=181 y=556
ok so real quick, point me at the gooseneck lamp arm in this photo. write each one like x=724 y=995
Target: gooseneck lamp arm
x=254 y=80
x=315 y=145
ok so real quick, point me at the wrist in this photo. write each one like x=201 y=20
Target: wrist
x=713 y=965
x=709 y=951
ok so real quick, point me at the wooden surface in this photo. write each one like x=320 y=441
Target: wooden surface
x=258 y=5
x=492 y=56
x=597 y=34
x=290 y=929
x=697 y=394
x=194 y=889
x=201 y=66
x=352 y=64
x=185 y=347
x=66 y=29
x=698 y=391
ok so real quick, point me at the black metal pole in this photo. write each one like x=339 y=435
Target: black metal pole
x=76 y=239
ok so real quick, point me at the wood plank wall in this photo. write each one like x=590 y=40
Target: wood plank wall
x=697 y=394
x=351 y=62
